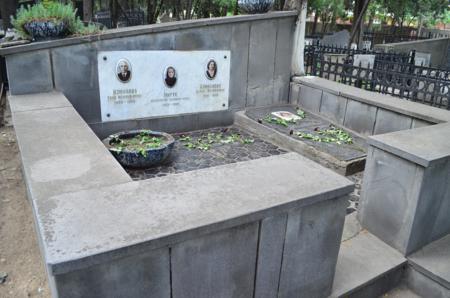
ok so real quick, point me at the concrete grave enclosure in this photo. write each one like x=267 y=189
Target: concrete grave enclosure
x=270 y=227
x=238 y=230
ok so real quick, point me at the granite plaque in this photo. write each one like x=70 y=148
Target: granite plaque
x=141 y=84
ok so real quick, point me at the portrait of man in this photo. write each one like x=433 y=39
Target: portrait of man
x=124 y=70
x=211 y=69
x=170 y=77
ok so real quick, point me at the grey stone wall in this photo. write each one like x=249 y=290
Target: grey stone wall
x=261 y=48
x=366 y=113
x=438 y=48
x=405 y=198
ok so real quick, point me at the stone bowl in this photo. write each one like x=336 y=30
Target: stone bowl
x=134 y=159
x=46 y=30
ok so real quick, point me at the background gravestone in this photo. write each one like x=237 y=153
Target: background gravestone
x=339 y=38
x=422 y=59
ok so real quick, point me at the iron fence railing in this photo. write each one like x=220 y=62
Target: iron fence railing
x=405 y=80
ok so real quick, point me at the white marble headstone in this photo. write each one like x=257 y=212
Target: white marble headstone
x=363 y=60
x=140 y=84
x=422 y=59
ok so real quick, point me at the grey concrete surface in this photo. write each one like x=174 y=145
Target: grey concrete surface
x=388 y=102
x=363 y=261
x=405 y=196
x=313 y=235
x=260 y=61
x=38 y=101
x=433 y=261
x=415 y=145
x=145 y=275
x=328 y=157
x=424 y=286
x=32 y=70
x=401 y=291
x=221 y=264
x=270 y=256
x=389 y=197
x=388 y=121
x=310 y=98
x=152 y=220
x=333 y=107
x=437 y=47
x=59 y=152
x=360 y=117
x=260 y=72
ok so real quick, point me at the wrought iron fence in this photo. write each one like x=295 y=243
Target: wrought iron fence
x=382 y=37
x=126 y=18
x=405 y=80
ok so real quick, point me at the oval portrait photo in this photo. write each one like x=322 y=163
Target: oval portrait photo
x=123 y=70
x=170 y=77
x=211 y=69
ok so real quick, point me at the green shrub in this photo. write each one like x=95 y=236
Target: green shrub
x=55 y=12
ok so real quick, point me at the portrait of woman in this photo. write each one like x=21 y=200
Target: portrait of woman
x=170 y=77
x=123 y=70
x=211 y=69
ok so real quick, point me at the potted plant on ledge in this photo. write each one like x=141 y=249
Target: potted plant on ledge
x=45 y=21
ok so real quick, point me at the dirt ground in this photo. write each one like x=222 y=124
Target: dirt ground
x=20 y=257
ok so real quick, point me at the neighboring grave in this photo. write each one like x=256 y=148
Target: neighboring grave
x=339 y=38
x=422 y=59
x=365 y=61
x=140 y=84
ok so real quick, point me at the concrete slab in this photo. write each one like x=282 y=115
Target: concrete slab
x=434 y=261
x=424 y=285
x=261 y=63
x=37 y=101
x=363 y=260
x=208 y=266
x=360 y=117
x=131 y=217
x=414 y=145
x=388 y=102
x=312 y=235
x=61 y=154
x=29 y=72
x=402 y=291
x=270 y=256
x=388 y=121
x=135 y=276
x=333 y=107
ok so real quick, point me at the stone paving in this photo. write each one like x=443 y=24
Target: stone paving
x=185 y=159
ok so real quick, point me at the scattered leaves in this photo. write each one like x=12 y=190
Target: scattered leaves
x=330 y=135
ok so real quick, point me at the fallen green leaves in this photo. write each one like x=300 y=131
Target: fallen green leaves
x=205 y=141
x=330 y=135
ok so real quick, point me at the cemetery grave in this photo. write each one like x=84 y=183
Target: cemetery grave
x=244 y=194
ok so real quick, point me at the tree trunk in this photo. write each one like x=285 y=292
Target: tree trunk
x=298 y=65
x=113 y=8
x=87 y=10
x=316 y=18
x=7 y=9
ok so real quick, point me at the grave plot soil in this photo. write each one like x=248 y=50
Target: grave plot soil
x=19 y=252
x=219 y=146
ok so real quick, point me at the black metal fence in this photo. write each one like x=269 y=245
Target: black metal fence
x=382 y=37
x=389 y=75
x=130 y=17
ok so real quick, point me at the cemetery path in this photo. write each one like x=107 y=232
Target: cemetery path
x=20 y=258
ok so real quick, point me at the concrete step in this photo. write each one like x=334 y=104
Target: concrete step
x=401 y=291
x=429 y=269
x=366 y=267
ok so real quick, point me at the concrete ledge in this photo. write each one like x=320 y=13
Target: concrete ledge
x=59 y=151
x=148 y=212
x=363 y=263
x=426 y=146
x=388 y=102
x=433 y=261
x=344 y=167
x=144 y=29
